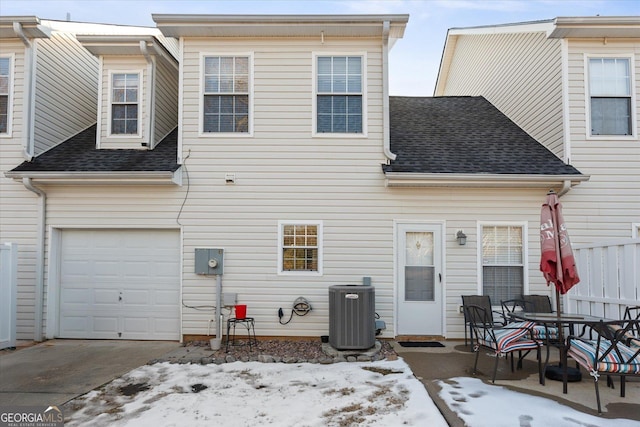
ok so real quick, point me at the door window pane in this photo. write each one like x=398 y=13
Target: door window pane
x=419 y=275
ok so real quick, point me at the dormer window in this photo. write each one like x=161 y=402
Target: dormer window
x=125 y=103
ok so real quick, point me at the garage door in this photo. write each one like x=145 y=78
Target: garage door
x=120 y=284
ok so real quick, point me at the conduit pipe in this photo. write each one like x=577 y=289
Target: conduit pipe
x=385 y=92
x=39 y=291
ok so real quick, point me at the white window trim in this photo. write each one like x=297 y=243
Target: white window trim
x=141 y=105
x=587 y=94
x=281 y=225
x=10 y=99
x=201 y=132
x=314 y=107
x=525 y=253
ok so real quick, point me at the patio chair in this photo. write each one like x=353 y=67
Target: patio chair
x=482 y=301
x=538 y=303
x=633 y=313
x=540 y=332
x=501 y=341
x=610 y=353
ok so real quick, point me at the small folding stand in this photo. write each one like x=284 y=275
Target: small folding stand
x=249 y=324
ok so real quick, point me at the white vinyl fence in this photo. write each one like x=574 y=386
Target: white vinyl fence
x=8 y=288
x=609 y=278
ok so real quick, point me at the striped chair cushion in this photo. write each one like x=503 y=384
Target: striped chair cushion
x=629 y=336
x=584 y=352
x=540 y=332
x=511 y=338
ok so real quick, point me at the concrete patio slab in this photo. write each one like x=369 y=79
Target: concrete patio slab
x=56 y=371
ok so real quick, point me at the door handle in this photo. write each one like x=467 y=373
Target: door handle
x=440 y=277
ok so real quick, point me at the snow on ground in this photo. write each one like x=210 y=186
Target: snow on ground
x=480 y=405
x=384 y=394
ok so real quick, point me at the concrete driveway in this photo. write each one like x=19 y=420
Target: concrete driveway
x=56 y=371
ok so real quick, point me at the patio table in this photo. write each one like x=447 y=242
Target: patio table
x=562 y=320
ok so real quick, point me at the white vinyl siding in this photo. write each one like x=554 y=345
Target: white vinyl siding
x=166 y=100
x=18 y=207
x=610 y=99
x=522 y=78
x=66 y=90
x=6 y=83
x=604 y=206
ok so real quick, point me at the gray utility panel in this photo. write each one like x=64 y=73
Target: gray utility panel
x=352 y=310
x=209 y=261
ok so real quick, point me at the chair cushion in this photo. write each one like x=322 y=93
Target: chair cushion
x=584 y=352
x=540 y=332
x=510 y=338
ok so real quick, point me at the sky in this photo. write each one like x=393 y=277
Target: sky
x=372 y=394
x=413 y=61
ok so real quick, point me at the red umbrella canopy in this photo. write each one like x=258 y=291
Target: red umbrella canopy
x=556 y=261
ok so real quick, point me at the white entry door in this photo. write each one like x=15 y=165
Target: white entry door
x=419 y=261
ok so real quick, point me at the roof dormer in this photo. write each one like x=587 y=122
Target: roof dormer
x=138 y=90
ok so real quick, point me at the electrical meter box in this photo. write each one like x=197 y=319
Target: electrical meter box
x=209 y=261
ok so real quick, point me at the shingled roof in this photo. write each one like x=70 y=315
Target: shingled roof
x=79 y=154
x=464 y=135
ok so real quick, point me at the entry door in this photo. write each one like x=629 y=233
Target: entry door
x=419 y=260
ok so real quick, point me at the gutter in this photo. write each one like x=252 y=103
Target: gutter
x=29 y=103
x=39 y=291
x=127 y=177
x=386 y=139
x=403 y=179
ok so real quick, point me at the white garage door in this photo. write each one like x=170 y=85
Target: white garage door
x=120 y=284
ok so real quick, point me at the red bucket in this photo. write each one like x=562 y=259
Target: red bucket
x=241 y=311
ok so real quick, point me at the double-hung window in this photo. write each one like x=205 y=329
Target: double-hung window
x=226 y=94
x=125 y=103
x=5 y=83
x=502 y=261
x=339 y=92
x=300 y=247
x=610 y=96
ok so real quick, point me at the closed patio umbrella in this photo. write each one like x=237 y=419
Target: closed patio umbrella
x=556 y=261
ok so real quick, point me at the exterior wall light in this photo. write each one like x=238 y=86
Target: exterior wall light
x=462 y=238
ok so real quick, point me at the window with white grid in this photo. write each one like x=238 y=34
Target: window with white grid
x=300 y=247
x=226 y=94
x=339 y=94
x=125 y=103
x=502 y=262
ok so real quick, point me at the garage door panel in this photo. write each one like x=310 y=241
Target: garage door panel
x=120 y=284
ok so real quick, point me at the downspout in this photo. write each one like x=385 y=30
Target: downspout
x=28 y=145
x=42 y=213
x=151 y=93
x=386 y=140
x=566 y=186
